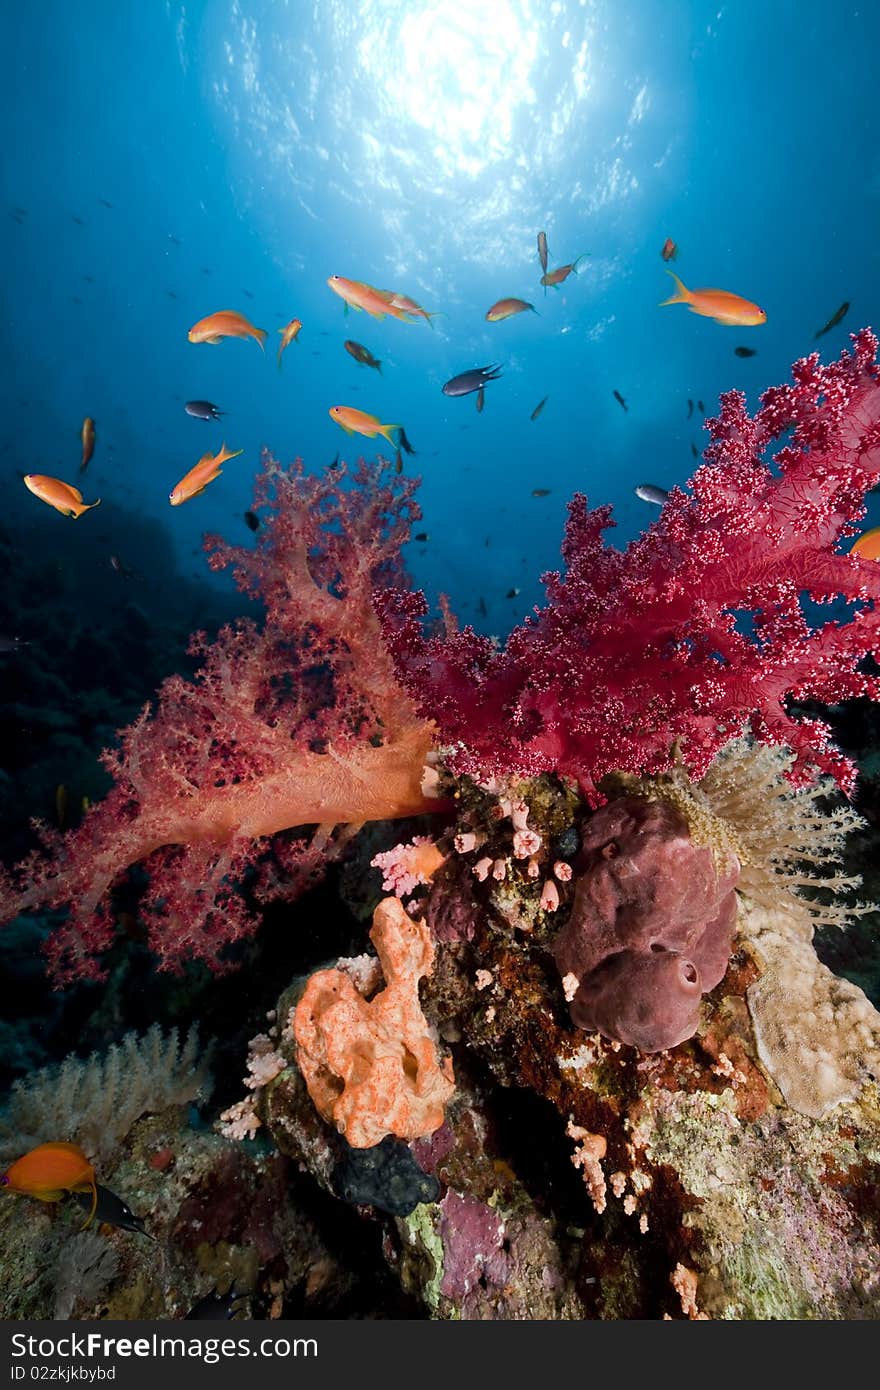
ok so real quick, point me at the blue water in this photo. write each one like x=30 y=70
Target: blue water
x=249 y=150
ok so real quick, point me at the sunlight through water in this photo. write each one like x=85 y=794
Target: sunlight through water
x=465 y=71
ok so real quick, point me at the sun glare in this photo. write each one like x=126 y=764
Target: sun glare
x=463 y=73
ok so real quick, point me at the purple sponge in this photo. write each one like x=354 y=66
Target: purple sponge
x=651 y=926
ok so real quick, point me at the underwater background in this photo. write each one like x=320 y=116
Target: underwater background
x=164 y=161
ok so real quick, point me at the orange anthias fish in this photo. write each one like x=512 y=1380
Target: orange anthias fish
x=562 y=272
x=87 y=436
x=409 y=306
x=868 y=545
x=197 y=479
x=669 y=250
x=506 y=308
x=226 y=323
x=50 y=1171
x=359 y=422
x=720 y=305
x=363 y=296
x=288 y=336
x=64 y=497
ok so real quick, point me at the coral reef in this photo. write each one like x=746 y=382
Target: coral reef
x=637 y=650
x=595 y=1067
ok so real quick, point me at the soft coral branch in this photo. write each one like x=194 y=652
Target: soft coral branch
x=635 y=650
x=297 y=721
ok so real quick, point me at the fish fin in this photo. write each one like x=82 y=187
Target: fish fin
x=94 y=1187
x=89 y=505
x=385 y=431
x=379 y=367
x=374 y=313
x=574 y=264
x=347 y=428
x=261 y=335
x=215 y=340
x=682 y=293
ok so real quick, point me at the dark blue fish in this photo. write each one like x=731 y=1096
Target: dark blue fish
x=217 y=1307
x=203 y=410
x=474 y=380
x=111 y=1210
x=7 y=646
x=404 y=441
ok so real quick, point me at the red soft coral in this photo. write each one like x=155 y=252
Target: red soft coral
x=635 y=650
x=298 y=721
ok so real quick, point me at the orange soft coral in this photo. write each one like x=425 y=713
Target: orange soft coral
x=371 y=1066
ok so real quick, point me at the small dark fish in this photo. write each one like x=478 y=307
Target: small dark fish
x=121 y=567
x=690 y=408
x=619 y=398
x=216 y=1307
x=203 y=410
x=175 y=240
x=422 y=536
x=511 y=593
x=78 y=220
x=538 y=408
x=647 y=492
x=76 y=299
x=362 y=355
x=252 y=521
x=11 y=644
x=402 y=439
x=543 y=254
x=481 y=607
x=487 y=540
x=481 y=400
x=540 y=492
x=20 y=212
x=104 y=203
x=248 y=293
x=669 y=250
x=17 y=218
x=701 y=408
x=745 y=352
x=695 y=451
x=398 y=463
x=335 y=463
x=835 y=319
x=474 y=380
x=111 y=1210
x=171 y=294
x=206 y=270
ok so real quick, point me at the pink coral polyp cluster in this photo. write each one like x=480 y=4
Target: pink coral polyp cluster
x=637 y=649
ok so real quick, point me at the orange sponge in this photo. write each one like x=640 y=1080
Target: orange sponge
x=371 y=1066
